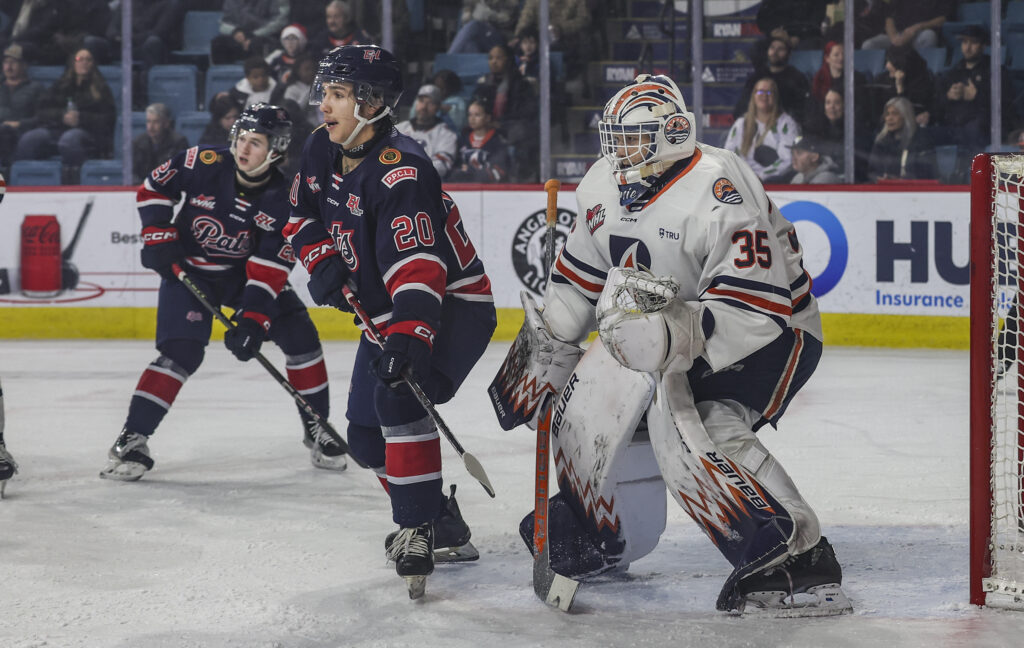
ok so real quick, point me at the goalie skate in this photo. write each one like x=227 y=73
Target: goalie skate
x=128 y=459
x=803 y=586
x=324 y=451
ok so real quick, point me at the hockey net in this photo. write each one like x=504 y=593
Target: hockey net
x=997 y=381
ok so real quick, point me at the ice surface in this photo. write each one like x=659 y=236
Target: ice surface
x=235 y=540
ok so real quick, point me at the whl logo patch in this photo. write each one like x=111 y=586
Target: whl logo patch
x=595 y=218
x=202 y=201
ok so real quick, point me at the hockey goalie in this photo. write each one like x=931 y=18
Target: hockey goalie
x=707 y=328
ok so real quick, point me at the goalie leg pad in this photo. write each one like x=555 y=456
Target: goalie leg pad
x=606 y=469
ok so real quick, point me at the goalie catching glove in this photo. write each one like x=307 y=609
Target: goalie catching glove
x=644 y=325
x=535 y=370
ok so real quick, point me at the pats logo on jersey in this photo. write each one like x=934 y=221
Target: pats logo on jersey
x=211 y=234
x=528 y=246
x=677 y=130
x=202 y=201
x=595 y=218
x=726 y=192
x=353 y=205
x=314 y=186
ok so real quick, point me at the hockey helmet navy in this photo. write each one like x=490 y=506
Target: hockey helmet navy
x=373 y=71
x=268 y=119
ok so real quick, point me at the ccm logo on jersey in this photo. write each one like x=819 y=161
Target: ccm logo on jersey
x=399 y=174
x=159 y=236
x=322 y=250
x=425 y=333
x=726 y=192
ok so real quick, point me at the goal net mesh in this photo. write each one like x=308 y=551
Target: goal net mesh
x=1005 y=586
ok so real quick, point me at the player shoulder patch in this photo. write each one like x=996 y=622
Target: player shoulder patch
x=726 y=192
x=208 y=156
x=190 y=157
x=595 y=218
x=390 y=156
x=677 y=130
x=395 y=176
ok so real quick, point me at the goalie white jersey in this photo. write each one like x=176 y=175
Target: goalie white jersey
x=711 y=227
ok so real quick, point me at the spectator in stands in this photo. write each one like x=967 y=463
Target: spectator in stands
x=262 y=18
x=812 y=163
x=159 y=143
x=792 y=84
x=223 y=113
x=156 y=30
x=515 y=108
x=902 y=149
x=483 y=152
x=825 y=122
x=256 y=86
x=20 y=98
x=485 y=23
x=868 y=20
x=528 y=53
x=762 y=136
x=907 y=76
x=912 y=23
x=570 y=28
x=964 y=96
x=429 y=131
x=798 y=22
x=293 y=45
x=297 y=90
x=830 y=77
x=453 y=106
x=340 y=28
x=76 y=118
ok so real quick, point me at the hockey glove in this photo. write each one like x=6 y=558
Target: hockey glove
x=245 y=338
x=326 y=281
x=161 y=249
x=402 y=352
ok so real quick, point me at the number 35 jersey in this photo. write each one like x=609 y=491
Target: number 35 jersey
x=707 y=223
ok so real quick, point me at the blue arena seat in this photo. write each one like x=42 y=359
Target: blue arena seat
x=175 y=86
x=935 y=57
x=45 y=74
x=869 y=61
x=192 y=124
x=103 y=173
x=198 y=29
x=1014 y=13
x=979 y=13
x=945 y=161
x=469 y=67
x=35 y=173
x=221 y=78
x=807 y=61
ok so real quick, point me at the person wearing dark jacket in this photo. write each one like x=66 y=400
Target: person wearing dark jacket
x=515 y=108
x=76 y=117
x=793 y=86
x=908 y=76
x=158 y=144
x=902 y=150
x=19 y=100
x=223 y=113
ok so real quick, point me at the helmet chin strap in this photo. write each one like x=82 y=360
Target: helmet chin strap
x=259 y=174
x=639 y=173
x=363 y=121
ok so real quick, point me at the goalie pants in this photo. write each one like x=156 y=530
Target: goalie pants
x=183 y=329
x=388 y=428
x=616 y=493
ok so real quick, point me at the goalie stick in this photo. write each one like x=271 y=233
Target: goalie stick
x=552 y=588
x=281 y=380
x=473 y=465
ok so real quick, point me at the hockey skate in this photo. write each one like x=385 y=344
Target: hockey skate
x=8 y=468
x=804 y=585
x=412 y=549
x=451 y=535
x=128 y=458
x=324 y=451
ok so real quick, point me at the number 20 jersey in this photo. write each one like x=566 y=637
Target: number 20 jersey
x=714 y=230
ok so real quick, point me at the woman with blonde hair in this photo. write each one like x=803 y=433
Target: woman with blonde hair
x=763 y=135
x=901 y=148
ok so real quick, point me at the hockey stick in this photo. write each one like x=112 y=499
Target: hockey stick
x=473 y=465
x=554 y=589
x=281 y=380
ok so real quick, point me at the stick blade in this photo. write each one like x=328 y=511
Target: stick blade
x=552 y=588
x=476 y=469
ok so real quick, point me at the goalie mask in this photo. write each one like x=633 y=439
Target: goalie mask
x=266 y=119
x=645 y=128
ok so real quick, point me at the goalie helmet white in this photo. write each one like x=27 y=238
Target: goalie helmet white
x=644 y=129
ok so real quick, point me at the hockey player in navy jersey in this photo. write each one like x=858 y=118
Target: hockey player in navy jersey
x=228 y=237
x=368 y=211
x=695 y=282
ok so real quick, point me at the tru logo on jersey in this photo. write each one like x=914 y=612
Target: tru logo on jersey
x=595 y=218
x=353 y=205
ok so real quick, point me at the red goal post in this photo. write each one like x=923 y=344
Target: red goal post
x=997 y=382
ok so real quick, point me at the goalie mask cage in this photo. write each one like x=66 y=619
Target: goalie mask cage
x=997 y=382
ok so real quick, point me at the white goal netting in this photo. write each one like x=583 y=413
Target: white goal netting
x=1005 y=586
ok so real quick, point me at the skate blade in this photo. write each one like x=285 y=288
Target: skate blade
x=3 y=486
x=123 y=471
x=822 y=600
x=465 y=553
x=417 y=586
x=323 y=462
